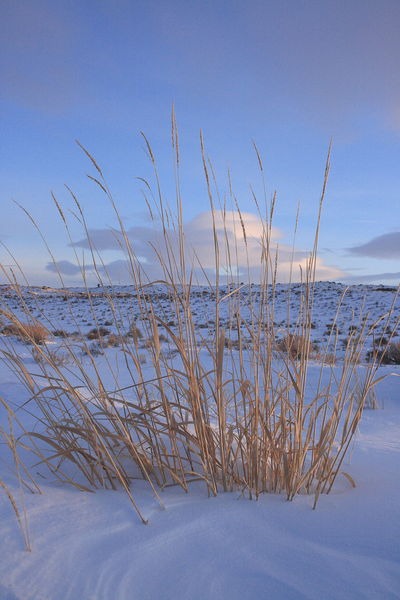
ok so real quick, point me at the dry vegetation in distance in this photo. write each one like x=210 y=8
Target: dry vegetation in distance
x=35 y=332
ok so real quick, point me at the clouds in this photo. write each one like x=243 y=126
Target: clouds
x=65 y=267
x=385 y=246
x=377 y=277
x=240 y=239
x=116 y=271
x=113 y=239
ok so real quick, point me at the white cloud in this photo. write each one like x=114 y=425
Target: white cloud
x=240 y=239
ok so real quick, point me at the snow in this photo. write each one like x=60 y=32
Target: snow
x=92 y=546
x=69 y=309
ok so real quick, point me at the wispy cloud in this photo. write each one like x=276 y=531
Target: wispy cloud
x=383 y=246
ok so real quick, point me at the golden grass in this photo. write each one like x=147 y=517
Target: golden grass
x=232 y=410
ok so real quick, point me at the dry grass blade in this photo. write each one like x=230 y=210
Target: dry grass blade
x=227 y=404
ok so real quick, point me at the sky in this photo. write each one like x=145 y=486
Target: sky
x=289 y=75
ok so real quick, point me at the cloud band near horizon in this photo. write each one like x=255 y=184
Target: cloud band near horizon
x=240 y=237
x=386 y=246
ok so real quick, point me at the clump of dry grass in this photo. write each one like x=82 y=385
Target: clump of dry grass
x=34 y=333
x=296 y=346
x=134 y=332
x=60 y=333
x=115 y=340
x=98 y=333
x=386 y=353
x=217 y=408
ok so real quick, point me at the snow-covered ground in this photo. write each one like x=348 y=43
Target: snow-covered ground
x=70 y=310
x=93 y=546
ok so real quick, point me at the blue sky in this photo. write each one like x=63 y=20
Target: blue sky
x=288 y=74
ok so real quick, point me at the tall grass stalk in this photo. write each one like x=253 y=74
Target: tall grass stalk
x=236 y=416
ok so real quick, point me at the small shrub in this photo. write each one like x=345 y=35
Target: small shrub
x=296 y=346
x=332 y=328
x=10 y=330
x=60 y=333
x=115 y=340
x=389 y=355
x=134 y=332
x=97 y=333
x=34 y=333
